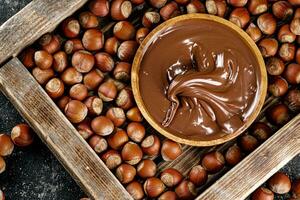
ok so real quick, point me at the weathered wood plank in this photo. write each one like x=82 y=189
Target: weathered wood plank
x=58 y=133
x=259 y=166
x=34 y=20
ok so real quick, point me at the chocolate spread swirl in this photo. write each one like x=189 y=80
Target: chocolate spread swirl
x=199 y=80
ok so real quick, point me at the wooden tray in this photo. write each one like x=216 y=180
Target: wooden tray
x=42 y=16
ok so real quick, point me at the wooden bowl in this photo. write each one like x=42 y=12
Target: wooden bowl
x=185 y=140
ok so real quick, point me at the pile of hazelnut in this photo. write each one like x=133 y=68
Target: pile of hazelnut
x=85 y=67
x=279 y=184
x=21 y=136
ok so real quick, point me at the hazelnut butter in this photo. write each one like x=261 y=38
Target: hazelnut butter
x=199 y=79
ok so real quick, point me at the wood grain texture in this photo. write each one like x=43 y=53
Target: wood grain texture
x=58 y=133
x=259 y=166
x=34 y=20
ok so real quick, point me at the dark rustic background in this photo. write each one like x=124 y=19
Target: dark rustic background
x=34 y=173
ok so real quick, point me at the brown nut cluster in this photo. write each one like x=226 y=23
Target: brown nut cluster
x=87 y=71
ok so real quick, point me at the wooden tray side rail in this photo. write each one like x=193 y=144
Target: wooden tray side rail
x=33 y=103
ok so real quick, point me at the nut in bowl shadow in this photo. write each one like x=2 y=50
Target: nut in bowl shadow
x=199 y=80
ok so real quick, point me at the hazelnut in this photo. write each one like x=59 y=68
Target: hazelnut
x=135 y=189
x=102 y=126
x=76 y=111
x=22 y=135
x=158 y=3
x=111 y=45
x=151 y=145
x=55 y=88
x=134 y=114
x=198 y=175
x=282 y=10
x=261 y=131
x=118 y=139
x=98 y=143
x=278 y=86
x=170 y=150
x=125 y=99
x=112 y=159
x=182 y=2
x=99 y=8
x=116 y=115
x=119 y=85
x=237 y=3
x=267 y=23
x=73 y=45
x=268 y=47
x=146 y=168
x=254 y=32
x=186 y=190
x=2 y=169
x=94 y=105
x=295 y=26
x=168 y=195
x=93 y=79
x=50 y=43
x=83 y=61
x=122 y=71
x=292 y=100
x=275 y=66
x=63 y=101
x=280 y=183
x=278 y=114
x=125 y=173
x=150 y=19
x=240 y=17
x=78 y=92
x=42 y=76
x=169 y=11
x=43 y=59
x=93 y=39
x=298 y=56
x=233 y=155
x=136 y=131
x=294 y=2
x=104 y=62
x=137 y=2
x=213 y=161
x=6 y=145
x=296 y=188
x=127 y=50
x=287 y=51
x=124 y=30
x=195 y=6
x=71 y=76
x=292 y=73
x=257 y=7
x=248 y=143
x=27 y=57
x=153 y=187
x=131 y=153
x=60 y=61
x=88 y=20
x=120 y=9
x=107 y=91
x=262 y=194
x=297 y=13
x=171 y=177
x=70 y=27
x=84 y=129
x=216 y=7
x=141 y=34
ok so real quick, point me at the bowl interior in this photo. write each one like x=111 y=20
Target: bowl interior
x=135 y=81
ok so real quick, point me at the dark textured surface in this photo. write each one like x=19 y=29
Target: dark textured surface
x=34 y=173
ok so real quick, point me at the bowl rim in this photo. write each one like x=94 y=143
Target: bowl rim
x=136 y=88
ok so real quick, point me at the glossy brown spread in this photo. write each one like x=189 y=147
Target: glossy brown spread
x=199 y=79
